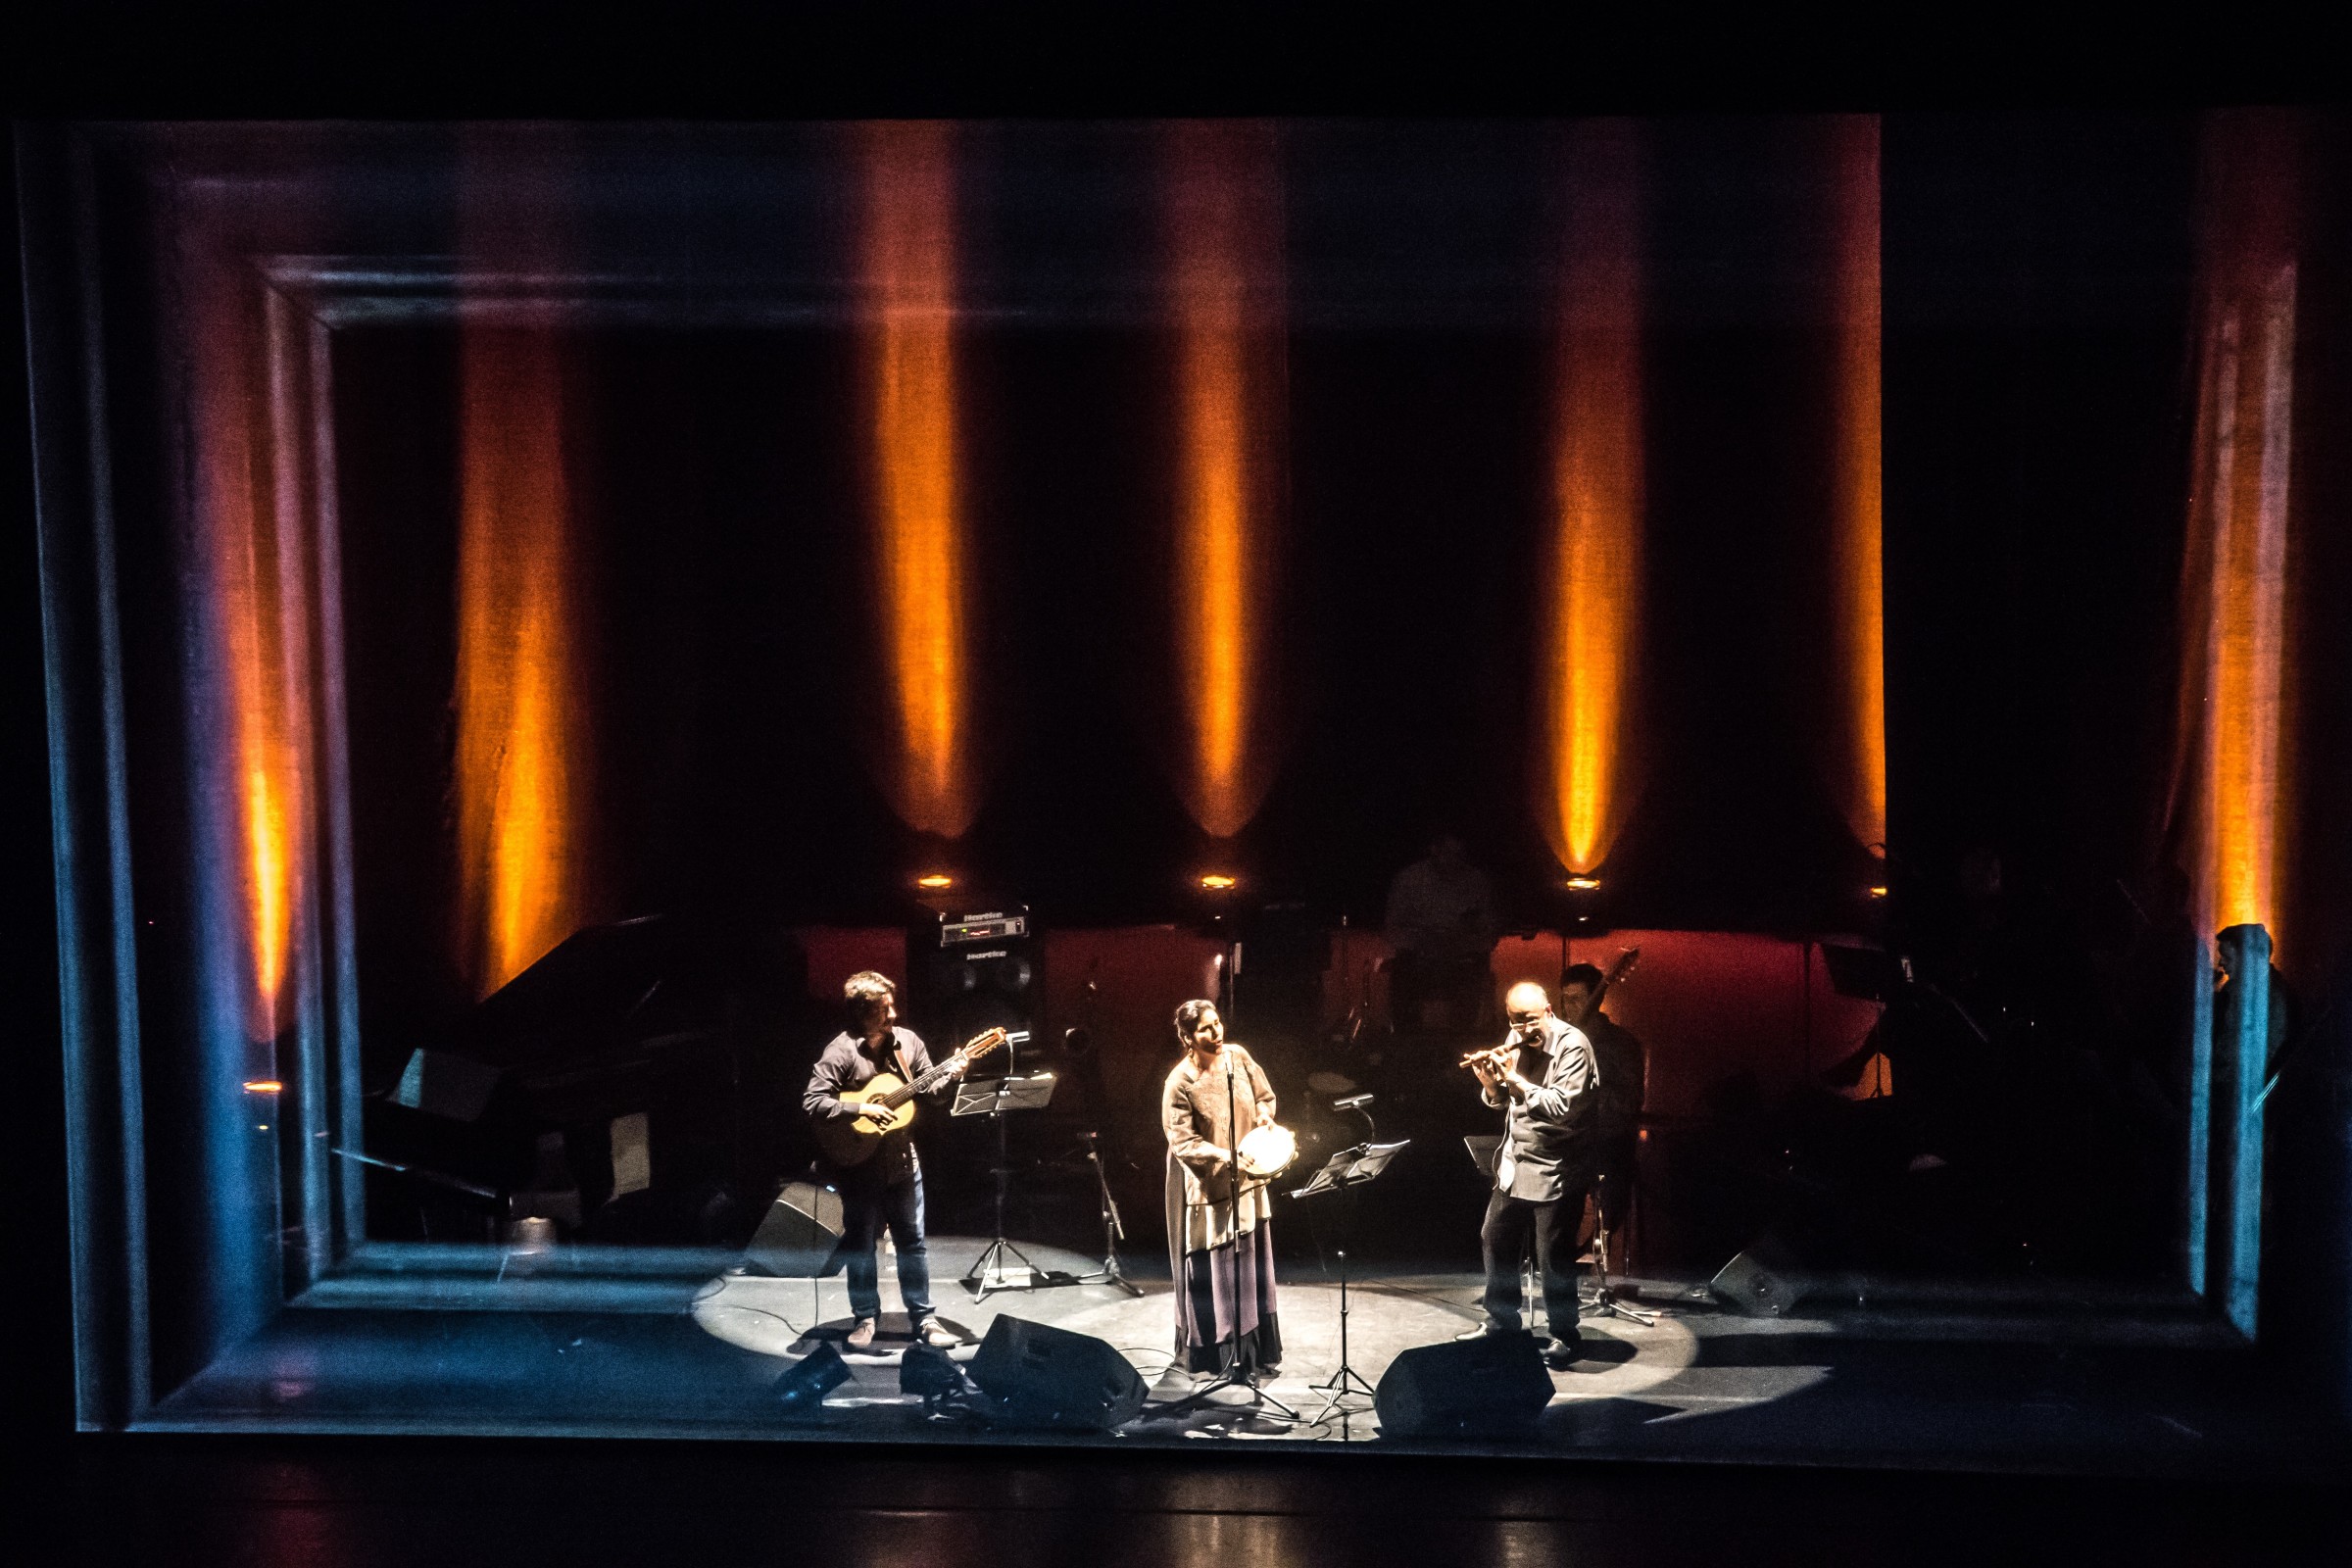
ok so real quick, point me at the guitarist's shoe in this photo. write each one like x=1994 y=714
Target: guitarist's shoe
x=1559 y=1354
x=862 y=1335
x=938 y=1335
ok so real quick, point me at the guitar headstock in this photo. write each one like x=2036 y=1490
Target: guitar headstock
x=1623 y=967
x=980 y=1044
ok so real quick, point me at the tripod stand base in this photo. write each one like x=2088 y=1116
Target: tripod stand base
x=1109 y=1274
x=1003 y=1266
x=992 y=1271
x=1607 y=1304
x=1345 y=1383
x=1258 y=1398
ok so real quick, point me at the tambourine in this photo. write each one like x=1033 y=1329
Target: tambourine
x=1266 y=1152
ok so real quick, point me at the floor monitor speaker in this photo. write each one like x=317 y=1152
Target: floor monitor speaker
x=1751 y=1285
x=1035 y=1375
x=801 y=1238
x=1492 y=1385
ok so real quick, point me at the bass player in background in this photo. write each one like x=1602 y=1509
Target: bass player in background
x=1617 y=1057
x=886 y=1188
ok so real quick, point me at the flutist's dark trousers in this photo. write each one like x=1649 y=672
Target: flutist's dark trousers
x=1503 y=1239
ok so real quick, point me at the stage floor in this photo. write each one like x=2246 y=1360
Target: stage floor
x=2027 y=1380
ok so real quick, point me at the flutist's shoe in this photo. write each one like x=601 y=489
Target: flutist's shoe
x=1560 y=1354
x=862 y=1335
x=938 y=1335
x=1484 y=1331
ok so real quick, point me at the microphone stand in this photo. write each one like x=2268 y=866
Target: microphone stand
x=1112 y=1231
x=1235 y=1376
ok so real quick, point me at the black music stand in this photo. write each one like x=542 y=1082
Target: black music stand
x=992 y=1097
x=1342 y=1173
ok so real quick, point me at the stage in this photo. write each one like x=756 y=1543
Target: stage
x=2028 y=1378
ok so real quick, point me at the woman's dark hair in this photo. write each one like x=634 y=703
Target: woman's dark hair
x=1190 y=1014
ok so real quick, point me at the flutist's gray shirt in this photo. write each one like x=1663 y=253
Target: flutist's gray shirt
x=1549 y=1142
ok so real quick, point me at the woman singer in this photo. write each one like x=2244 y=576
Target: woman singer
x=1220 y=1240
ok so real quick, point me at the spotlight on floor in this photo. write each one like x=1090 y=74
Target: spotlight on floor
x=802 y=1390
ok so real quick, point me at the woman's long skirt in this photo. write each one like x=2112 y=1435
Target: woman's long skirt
x=1219 y=1280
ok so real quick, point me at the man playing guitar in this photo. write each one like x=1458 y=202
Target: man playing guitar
x=886 y=1187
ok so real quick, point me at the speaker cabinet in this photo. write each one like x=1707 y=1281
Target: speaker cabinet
x=1495 y=1385
x=1755 y=1286
x=1035 y=1375
x=801 y=1238
x=972 y=970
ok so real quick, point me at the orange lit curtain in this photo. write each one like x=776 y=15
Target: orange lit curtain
x=1859 y=587
x=520 y=811
x=522 y=744
x=258 y=592
x=1593 y=585
x=1224 y=226
x=908 y=269
x=2231 y=782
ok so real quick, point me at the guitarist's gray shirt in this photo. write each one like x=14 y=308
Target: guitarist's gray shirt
x=845 y=1064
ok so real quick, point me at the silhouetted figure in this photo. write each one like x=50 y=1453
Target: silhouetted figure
x=2229 y=953
x=1443 y=925
x=1618 y=1055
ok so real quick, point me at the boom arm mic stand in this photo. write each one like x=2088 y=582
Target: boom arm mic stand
x=1114 y=1231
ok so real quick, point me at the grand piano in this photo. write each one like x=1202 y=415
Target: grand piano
x=624 y=1086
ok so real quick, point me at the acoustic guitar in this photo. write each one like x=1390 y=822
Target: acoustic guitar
x=852 y=1140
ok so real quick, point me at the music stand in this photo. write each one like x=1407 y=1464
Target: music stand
x=992 y=1097
x=1344 y=1172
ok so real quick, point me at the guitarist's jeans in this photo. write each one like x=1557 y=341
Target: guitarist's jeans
x=864 y=1211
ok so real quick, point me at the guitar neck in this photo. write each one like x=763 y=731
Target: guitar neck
x=922 y=1085
x=1617 y=971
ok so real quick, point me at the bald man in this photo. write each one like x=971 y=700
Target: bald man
x=1550 y=1095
